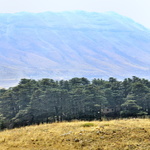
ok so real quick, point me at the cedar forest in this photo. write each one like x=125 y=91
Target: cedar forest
x=47 y=100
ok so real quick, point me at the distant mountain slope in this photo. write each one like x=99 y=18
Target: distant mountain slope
x=69 y=44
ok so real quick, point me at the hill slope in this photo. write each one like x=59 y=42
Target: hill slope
x=133 y=134
x=69 y=44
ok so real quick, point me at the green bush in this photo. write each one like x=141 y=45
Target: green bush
x=87 y=124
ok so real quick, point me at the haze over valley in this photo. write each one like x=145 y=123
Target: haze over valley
x=71 y=44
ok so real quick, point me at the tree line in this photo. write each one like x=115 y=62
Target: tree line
x=47 y=100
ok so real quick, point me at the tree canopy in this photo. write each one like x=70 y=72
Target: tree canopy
x=47 y=100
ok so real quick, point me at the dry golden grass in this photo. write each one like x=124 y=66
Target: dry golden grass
x=127 y=134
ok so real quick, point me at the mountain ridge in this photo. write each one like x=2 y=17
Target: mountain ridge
x=68 y=44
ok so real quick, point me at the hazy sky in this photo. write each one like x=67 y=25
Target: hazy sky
x=139 y=10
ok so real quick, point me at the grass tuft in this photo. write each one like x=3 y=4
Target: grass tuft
x=88 y=124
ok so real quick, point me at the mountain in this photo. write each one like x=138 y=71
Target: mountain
x=71 y=44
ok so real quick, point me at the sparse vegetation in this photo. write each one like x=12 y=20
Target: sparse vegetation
x=126 y=134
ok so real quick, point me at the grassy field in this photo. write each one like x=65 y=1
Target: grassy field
x=127 y=134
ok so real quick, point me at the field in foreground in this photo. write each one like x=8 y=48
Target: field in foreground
x=127 y=134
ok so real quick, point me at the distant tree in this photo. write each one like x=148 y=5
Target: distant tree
x=8 y=107
x=130 y=108
x=139 y=90
x=147 y=103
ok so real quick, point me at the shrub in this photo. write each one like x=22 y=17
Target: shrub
x=87 y=124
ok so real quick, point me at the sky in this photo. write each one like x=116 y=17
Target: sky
x=138 y=10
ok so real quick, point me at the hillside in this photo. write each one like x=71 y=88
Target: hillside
x=69 y=44
x=127 y=134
